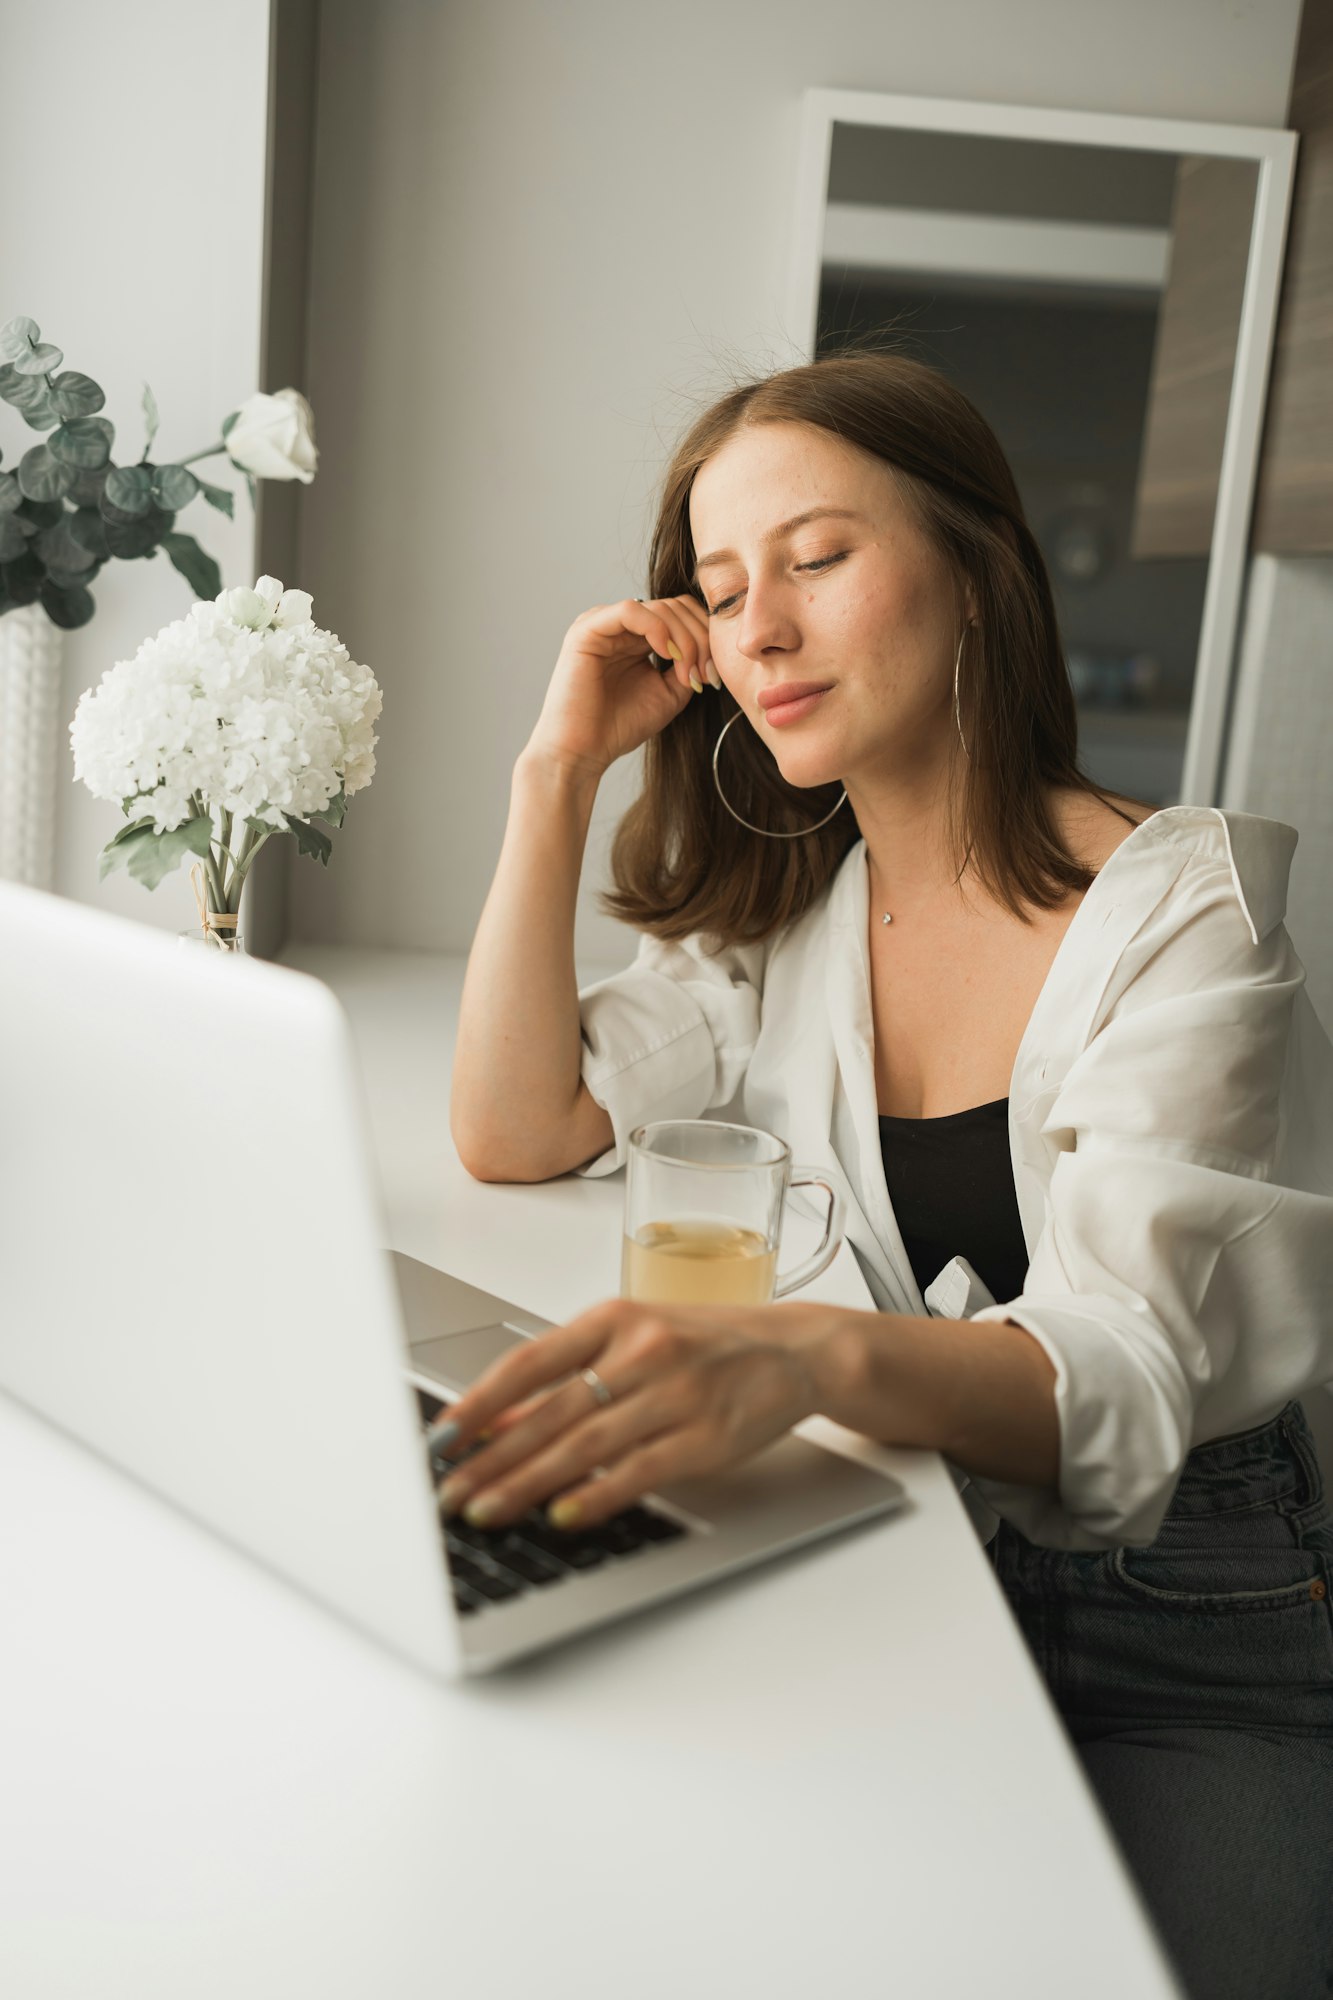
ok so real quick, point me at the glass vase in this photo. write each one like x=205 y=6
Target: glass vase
x=224 y=943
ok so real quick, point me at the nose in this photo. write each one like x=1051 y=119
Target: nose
x=765 y=624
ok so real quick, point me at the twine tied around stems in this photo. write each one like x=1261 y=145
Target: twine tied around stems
x=211 y=922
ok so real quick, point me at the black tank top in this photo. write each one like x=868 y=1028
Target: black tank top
x=951 y=1182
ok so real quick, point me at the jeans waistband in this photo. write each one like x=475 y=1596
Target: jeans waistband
x=1273 y=1461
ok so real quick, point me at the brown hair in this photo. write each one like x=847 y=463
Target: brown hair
x=681 y=863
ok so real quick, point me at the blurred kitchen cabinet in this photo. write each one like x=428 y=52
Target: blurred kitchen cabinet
x=1293 y=511
x=1193 y=358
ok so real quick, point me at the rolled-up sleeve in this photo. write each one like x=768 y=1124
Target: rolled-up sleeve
x=671 y=1036
x=1185 y=1265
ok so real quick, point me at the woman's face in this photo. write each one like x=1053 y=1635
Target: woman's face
x=861 y=604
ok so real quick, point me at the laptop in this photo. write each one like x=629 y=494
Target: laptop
x=196 y=1283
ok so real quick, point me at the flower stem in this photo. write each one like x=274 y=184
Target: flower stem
x=250 y=846
x=215 y=900
x=212 y=452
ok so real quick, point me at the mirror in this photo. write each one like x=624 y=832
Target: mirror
x=1104 y=290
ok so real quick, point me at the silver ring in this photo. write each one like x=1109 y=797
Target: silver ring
x=596 y=1384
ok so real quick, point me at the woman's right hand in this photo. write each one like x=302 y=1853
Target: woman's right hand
x=605 y=698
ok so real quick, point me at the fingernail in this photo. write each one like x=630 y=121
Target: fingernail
x=674 y=652
x=443 y=1435
x=563 y=1513
x=715 y=677
x=452 y=1491
x=482 y=1509
x=695 y=682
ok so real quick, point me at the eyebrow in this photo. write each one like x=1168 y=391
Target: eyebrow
x=776 y=534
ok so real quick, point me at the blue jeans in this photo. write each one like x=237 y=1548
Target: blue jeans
x=1194 y=1678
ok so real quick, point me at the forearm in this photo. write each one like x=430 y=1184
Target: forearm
x=518 y=1047
x=983 y=1393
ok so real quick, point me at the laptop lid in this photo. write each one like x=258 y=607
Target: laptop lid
x=193 y=1279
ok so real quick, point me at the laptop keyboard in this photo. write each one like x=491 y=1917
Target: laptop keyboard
x=491 y=1565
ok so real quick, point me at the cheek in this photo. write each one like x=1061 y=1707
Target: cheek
x=895 y=609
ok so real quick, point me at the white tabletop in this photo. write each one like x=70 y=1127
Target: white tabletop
x=838 y=1773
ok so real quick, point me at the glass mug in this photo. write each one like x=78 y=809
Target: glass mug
x=703 y=1215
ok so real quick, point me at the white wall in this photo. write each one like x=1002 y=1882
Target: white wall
x=543 y=233
x=1281 y=762
x=132 y=152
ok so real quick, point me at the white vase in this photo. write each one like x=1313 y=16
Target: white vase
x=31 y=659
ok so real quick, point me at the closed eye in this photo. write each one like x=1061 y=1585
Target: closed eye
x=824 y=562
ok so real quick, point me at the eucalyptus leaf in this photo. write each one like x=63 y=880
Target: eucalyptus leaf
x=130 y=488
x=13 y=541
x=39 y=360
x=89 y=529
x=17 y=337
x=68 y=579
x=220 y=497
x=23 y=578
x=128 y=539
x=250 y=482
x=89 y=485
x=25 y=392
x=11 y=493
x=59 y=548
x=43 y=477
x=67 y=605
x=174 y=486
x=35 y=406
x=149 y=856
x=83 y=443
x=39 y=513
x=335 y=812
x=310 y=840
x=75 y=395
x=195 y=564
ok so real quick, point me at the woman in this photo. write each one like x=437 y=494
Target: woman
x=1055 y=1044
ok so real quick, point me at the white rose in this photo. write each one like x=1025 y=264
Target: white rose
x=244 y=607
x=274 y=436
x=294 y=608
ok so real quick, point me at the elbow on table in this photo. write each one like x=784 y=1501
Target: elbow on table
x=583 y=1134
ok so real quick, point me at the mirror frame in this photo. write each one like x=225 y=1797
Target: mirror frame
x=1274 y=153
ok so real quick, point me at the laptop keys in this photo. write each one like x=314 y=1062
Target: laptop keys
x=492 y=1565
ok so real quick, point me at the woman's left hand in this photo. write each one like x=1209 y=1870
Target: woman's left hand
x=693 y=1388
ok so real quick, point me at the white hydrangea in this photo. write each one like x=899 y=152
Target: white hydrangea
x=244 y=702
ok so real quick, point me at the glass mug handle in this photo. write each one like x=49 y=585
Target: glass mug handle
x=829 y=1243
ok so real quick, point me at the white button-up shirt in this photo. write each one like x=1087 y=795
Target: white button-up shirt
x=1170 y=1130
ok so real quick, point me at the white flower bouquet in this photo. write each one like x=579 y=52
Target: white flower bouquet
x=240 y=720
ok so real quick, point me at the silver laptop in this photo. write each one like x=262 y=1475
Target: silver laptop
x=194 y=1283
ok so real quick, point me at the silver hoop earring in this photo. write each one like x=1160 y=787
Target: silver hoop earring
x=843 y=800
x=745 y=822
x=957 y=714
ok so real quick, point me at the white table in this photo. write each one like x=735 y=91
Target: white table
x=838 y=1774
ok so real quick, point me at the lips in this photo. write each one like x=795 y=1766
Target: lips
x=774 y=697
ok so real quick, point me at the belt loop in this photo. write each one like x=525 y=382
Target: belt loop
x=1294 y=1428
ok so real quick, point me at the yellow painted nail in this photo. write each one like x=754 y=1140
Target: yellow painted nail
x=480 y=1510
x=695 y=682
x=563 y=1513
x=674 y=652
